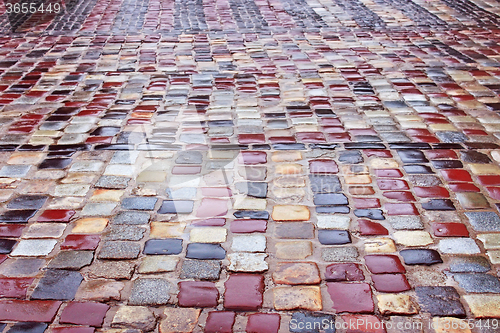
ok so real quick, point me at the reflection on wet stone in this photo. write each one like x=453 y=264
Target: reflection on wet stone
x=147 y=143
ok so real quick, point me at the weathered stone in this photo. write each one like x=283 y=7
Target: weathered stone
x=290 y=213
x=250 y=243
x=99 y=290
x=494 y=256
x=150 y=292
x=383 y=163
x=484 y=306
x=296 y=273
x=158 y=264
x=424 y=180
x=89 y=226
x=477 y=282
x=125 y=232
x=288 y=169
x=286 y=156
x=290 y=181
x=57 y=284
x=45 y=230
x=166 y=230
x=73 y=260
x=34 y=247
x=139 y=317
x=247 y=262
x=333 y=222
x=340 y=254
x=440 y=301
x=405 y=222
x=458 y=246
x=208 y=235
x=106 y=195
x=413 y=238
x=21 y=267
x=490 y=241
x=396 y=304
x=179 y=320
x=470 y=200
x=131 y=218
x=248 y=203
x=297 y=297
x=293 y=249
x=380 y=245
x=469 y=264
x=200 y=269
x=119 y=250
x=289 y=195
x=484 y=221
x=111 y=269
x=112 y=182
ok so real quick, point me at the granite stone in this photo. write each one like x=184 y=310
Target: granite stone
x=200 y=269
x=148 y=291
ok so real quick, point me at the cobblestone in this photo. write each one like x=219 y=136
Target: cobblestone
x=57 y=284
x=99 y=290
x=297 y=297
x=149 y=292
x=483 y=306
x=179 y=319
x=111 y=269
x=440 y=301
x=119 y=250
x=73 y=260
x=166 y=163
x=200 y=269
x=138 y=317
x=478 y=283
x=396 y=304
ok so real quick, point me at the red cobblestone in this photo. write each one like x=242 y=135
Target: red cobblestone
x=244 y=292
x=263 y=323
x=37 y=311
x=351 y=297
x=220 y=322
x=80 y=313
x=197 y=294
x=14 y=287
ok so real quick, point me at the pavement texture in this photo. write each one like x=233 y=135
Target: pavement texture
x=250 y=166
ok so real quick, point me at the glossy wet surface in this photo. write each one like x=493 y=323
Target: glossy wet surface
x=250 y=166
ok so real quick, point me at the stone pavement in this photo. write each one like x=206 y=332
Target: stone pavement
x=250 y=166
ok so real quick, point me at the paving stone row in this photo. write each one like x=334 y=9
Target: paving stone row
x=362 y=15
x=303 y=15
x=251 y=166
x=190 y=15
x=417 y=13
x=135 y=17
x=480 y=15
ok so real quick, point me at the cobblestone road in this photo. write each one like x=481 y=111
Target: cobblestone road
x=250 y=166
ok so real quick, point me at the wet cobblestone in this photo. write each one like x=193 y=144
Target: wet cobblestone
x=249 y=166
